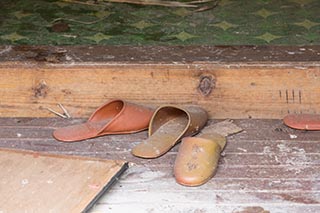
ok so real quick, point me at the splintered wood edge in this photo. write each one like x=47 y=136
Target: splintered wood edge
x=112 y=181
x=159 y=54
x=73 y=157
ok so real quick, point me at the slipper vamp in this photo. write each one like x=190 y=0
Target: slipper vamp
x=198 y=119
x=131 y=118
x=196 y=161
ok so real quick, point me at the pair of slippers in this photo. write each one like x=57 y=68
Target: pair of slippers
x=197 y=157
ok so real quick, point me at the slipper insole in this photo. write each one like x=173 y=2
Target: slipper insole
x=162 y=139
x=80 y=131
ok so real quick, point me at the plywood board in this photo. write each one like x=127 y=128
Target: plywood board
x=35 y=182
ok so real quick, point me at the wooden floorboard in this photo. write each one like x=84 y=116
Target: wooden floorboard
x=267 y=167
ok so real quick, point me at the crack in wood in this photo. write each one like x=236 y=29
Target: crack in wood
x=292 y=95
x=300 y=97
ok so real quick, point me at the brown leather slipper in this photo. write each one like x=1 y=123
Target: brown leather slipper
x=198 y=157
x=114 y=117
x=303 y=121
x=167 y=126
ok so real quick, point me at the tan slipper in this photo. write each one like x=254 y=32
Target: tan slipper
x=167 y=126
x=198 y=157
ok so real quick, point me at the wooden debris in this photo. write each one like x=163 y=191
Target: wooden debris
x=191 y=4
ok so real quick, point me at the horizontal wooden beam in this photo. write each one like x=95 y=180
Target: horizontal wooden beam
x=226 y=89
x=159 y=54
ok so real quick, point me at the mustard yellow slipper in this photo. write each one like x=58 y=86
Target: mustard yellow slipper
x=198 y=157
x=167 y=126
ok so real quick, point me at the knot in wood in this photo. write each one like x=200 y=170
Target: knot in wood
x=41 y=90
x=206 y=85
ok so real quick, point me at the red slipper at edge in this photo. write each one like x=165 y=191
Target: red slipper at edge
x=114 y=117
x=303 y=121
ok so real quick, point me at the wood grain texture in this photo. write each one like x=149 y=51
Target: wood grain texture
x=229 y=82
x=36 y=182
x=267 y=167
x=235 y=90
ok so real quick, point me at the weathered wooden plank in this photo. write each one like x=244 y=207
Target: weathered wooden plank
x=254 y=130
x=139 y=177
x=253 y=170
x=159 y=54
x=290 y=157
x=267 y=148
x=215 y=195
x=35 y=122
x=218 y=195
x=198 y=196
x=254 y=136
x=225 y=90
x=168 y=207
x=57 y=121
x=123 y=144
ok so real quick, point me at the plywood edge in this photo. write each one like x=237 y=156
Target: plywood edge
x=112 y=181
x=36 y=154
